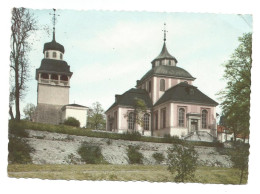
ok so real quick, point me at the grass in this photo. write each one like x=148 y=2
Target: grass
x=19 y=126
x=156 y=173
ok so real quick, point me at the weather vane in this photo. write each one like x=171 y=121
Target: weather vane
x=54 y=20
x=164 y=39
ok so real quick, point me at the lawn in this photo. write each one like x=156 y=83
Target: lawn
x=157 y=173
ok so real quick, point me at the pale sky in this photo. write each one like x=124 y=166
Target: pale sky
x=108 y=51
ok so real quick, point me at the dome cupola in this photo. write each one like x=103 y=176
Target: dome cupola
x=53 y=45
x=164 y=58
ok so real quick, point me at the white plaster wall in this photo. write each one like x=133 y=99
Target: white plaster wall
x=56 y=95
x=51 y=53
x=78 y=114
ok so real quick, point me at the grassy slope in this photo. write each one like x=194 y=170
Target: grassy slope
x=214 y=175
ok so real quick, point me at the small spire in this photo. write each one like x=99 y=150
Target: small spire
x=164 y=31
x=54 y=20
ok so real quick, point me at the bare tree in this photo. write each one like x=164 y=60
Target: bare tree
x=23 y=25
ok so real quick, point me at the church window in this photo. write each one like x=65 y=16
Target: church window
x=162 y=85
x=150 y=86
x=54 y=54
x=47 y=54
x=181 y=117
x=131 y=120
x=115 y=119
x=163 y=118
x=156 y=120
x=60 y=55
x=204 y=119
x=146 y=121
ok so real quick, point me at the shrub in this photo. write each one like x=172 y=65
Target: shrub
x=133 y=136
x=159 y=157
x=17 y=129
x=71 y=121
x=91 y=154
x=183 y=160
x=134 y=156
x=19 y=151
x=167 y=138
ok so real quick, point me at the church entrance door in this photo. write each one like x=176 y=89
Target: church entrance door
x=194 y=125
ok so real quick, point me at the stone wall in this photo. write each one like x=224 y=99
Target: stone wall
x=55 y=148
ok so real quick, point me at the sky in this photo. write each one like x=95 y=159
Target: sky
x=108 y=51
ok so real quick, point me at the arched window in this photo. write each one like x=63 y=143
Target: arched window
x=162 y=85
x=54 y=55
x=44 y=76
x=204 y=119
x=47 y=54
x=54 y=76
x=146 y=121
x=60 y=55
x=131 y=120
x=64 y=78
x=181 y=117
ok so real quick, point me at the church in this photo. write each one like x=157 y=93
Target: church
x=53 y=85
x=174 y=106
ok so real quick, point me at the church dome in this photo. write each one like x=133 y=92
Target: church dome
x=165 y=55
x=53 y=45
x=168 y=71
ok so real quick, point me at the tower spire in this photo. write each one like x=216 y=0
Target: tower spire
x=164 y=32
x=54 y=20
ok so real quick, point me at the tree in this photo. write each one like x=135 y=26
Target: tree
x=29 y=111
x=236 y=95
x=96 y=117
x=23 y=25
x=239 y=158
x=140 y=109
x=183 y=160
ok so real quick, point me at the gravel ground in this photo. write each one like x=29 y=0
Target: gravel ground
x=56 y=148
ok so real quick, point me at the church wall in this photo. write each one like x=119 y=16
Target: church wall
x=56 y=95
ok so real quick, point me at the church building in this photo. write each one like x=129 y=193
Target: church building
x=174 y=105
x=53 y=77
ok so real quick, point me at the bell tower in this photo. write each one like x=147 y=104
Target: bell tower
x=53 y=82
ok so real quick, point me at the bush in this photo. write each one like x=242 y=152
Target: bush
x=167 y=138
x=17 y=129
x=19 y=151
x=134 y=156
x=183 y=160
x=71 y=121
x=133 y=136
x=159 y=157
x=91 y=154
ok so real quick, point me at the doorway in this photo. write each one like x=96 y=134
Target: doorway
x=194 y=125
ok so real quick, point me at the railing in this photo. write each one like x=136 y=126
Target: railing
x=53 y=81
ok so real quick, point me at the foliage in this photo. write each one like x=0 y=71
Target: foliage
x=96 y=117
x=183 y=160
x=134 y=156
x=140 y=109
x=71 y=121
x=159 y=157
x=19 y=151
x=23 y=26
x=133 y=136
x=167 y=138
x=91 y=154
x=29 y=111
x=236 y=95
x=239 y=158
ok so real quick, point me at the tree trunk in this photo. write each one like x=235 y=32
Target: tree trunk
x=11 y=113
x=17 y=94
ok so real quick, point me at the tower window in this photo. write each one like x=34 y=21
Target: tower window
x=204 y=119
x=54 y=76
x=44 y=76
x=64 y=78
x=47 y=54
x=181 y=117
x=54 y=55
x=61 y=56
x=162 y=85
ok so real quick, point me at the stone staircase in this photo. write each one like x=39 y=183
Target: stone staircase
x=200 y=136
x=46 y=113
